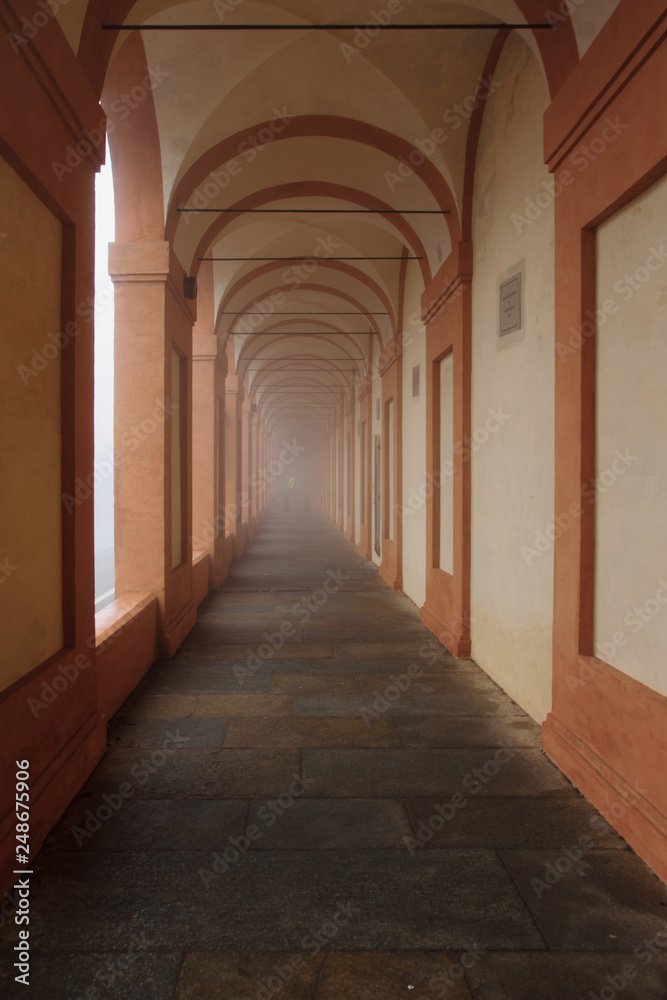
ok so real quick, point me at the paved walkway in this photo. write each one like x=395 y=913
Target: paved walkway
x=314 y=801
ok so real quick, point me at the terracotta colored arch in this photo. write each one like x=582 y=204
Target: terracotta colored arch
x=311 y=126
x=557 y=48
x=303 y=189
x=341 y=341
x=307 y=286
x=135 y=147
x=334 y=265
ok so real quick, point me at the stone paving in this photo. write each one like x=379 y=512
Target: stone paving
x=313 y=800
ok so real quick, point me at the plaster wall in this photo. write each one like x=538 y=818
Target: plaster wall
x=512 y=446
x=30 y=431
x=446 y=463
x=630 y=488
x=414 y=445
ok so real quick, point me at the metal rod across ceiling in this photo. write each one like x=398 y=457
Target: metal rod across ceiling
x=356 y=312
x=324 y=211
x=304 y=257
x=324 y=27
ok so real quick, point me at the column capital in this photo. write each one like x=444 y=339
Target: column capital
x=455 y=273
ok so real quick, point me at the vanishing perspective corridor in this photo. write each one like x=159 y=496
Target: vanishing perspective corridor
x=314 y=799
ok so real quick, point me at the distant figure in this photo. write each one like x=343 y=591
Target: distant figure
x=292 y=486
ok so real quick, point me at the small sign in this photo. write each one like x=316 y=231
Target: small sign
x=510 y=305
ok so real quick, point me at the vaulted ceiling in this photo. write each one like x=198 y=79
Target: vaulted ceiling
x=360 y=143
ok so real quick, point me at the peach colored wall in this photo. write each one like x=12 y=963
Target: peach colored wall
x=125 y=647
x=200 y=578
x=30 y=430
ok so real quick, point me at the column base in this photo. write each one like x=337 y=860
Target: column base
x=449 y=636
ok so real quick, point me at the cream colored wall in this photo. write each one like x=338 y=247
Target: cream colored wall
x=513 y=394
x=630 y=488
x=588 y=19
x=30 y=436
x=414 y=444
x=447 y=463
x=71 y=14
x=176 y=463
x=357 y=469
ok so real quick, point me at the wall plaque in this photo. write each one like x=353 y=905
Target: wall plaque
x=510 y=305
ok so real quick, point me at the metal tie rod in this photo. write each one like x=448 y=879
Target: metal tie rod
x=356 y=312
x=327 y=27
x=323 y=211
x=304 y=257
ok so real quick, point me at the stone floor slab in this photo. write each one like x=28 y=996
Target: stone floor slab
x=291 y=650
x=331 y=824
x=569 y=976
x=195 y=734
x=135 y=973
x=243 y=976
x=379 y=664
x=311 y=732
x=149 y=824
x=387 y=975
x=608 y=901
x=423 y=772
x=273 y=900
x=184 y=679
x=467 y=731
x=322 y=684
x=512 y=822
x=230 y=774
